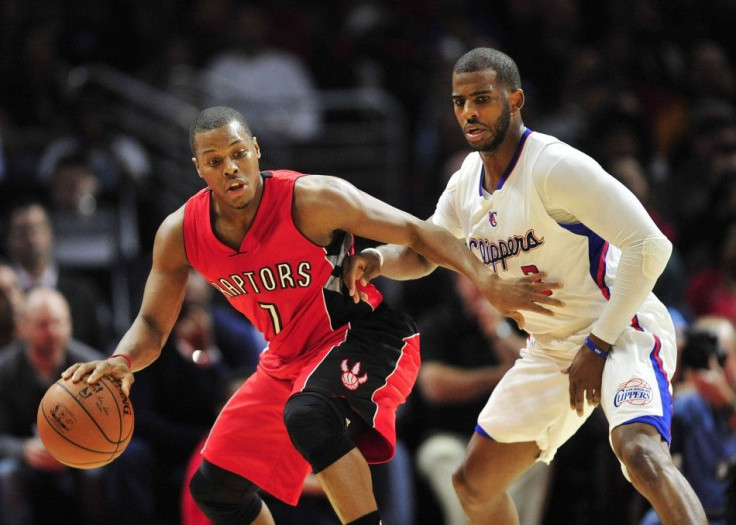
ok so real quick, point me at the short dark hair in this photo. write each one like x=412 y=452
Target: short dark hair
x=482 y=58
x=213 y=118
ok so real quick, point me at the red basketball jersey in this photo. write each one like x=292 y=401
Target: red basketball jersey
x=287 y=286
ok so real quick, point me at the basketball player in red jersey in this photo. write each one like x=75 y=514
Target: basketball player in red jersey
x=327 y=386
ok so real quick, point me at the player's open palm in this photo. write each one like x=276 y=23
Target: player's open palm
x=528 y=293
x=586 y=375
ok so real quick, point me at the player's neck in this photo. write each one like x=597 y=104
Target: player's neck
x=496 y=162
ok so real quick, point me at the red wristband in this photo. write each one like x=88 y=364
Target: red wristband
x=124 y=356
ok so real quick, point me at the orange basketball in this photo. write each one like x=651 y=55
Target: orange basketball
x=85 y=425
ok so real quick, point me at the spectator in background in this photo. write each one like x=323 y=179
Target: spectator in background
x=701 y=172
x=712 y=73
x=114 y=158
x=273 y=86
x=704 y=422
x=467 y=348
x=30 y=247
x=74 y=187
x=33 y=485
x=7 y=319
x=10 y=287
x=712 y=291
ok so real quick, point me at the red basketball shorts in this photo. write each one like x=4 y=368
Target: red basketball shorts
x=373 y=366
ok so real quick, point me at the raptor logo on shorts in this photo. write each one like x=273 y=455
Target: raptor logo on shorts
x=350 y=378
x=635 y=391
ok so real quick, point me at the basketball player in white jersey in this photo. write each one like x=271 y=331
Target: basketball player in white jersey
x=526 y=203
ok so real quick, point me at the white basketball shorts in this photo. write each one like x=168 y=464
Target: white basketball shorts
x=532 y=401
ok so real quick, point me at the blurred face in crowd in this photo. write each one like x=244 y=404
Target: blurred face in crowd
x=45 y=324
x=10 y=286
x=631 y=173
x=75 y=187
x=725 y=331
x=30 y=238
x=199 y=291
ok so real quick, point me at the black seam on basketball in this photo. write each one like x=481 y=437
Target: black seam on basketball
x=52 y=427
x=102 y=432
x=89 y=414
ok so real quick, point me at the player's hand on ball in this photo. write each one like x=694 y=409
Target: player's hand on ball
x=92 y=371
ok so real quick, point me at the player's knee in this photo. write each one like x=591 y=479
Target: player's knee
x=463 y=489
x=317 y=429
x=643 y=462
x=224 y=497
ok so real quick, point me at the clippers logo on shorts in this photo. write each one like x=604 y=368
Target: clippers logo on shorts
x=350 y=378
x=634 y=392
x=492 y=218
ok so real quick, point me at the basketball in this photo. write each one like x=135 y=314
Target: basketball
x=85 y=425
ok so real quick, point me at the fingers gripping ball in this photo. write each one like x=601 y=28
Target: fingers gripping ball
x=85 y=425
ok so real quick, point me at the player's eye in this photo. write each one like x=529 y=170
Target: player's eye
x=240 y=153
x=213 y=162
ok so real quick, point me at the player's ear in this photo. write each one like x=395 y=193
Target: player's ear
x=257 y=148
x=196 y=166
x=516 y=99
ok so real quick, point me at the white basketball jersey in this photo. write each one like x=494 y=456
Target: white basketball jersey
x=511 y=232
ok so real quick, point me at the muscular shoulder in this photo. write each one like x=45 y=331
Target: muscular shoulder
x=320 y=204
x=172 y=225
x=318 y=194
x=318 y=186
x=554 y=156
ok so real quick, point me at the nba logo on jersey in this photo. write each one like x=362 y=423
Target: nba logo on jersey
x=492 y=218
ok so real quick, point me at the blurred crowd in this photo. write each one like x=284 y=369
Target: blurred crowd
x=646 y=87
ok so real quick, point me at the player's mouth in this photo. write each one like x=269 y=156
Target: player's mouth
x=236 y=188
x=474 y=132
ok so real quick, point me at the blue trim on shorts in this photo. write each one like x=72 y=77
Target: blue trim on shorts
x=655 y=421
x=665 y=426
x=662 y=423
x=482 y=432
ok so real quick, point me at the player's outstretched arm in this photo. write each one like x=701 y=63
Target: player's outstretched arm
x=162 y=299
x=326 y=204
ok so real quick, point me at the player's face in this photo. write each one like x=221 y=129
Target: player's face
x=482 y=108
x=227 y=160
